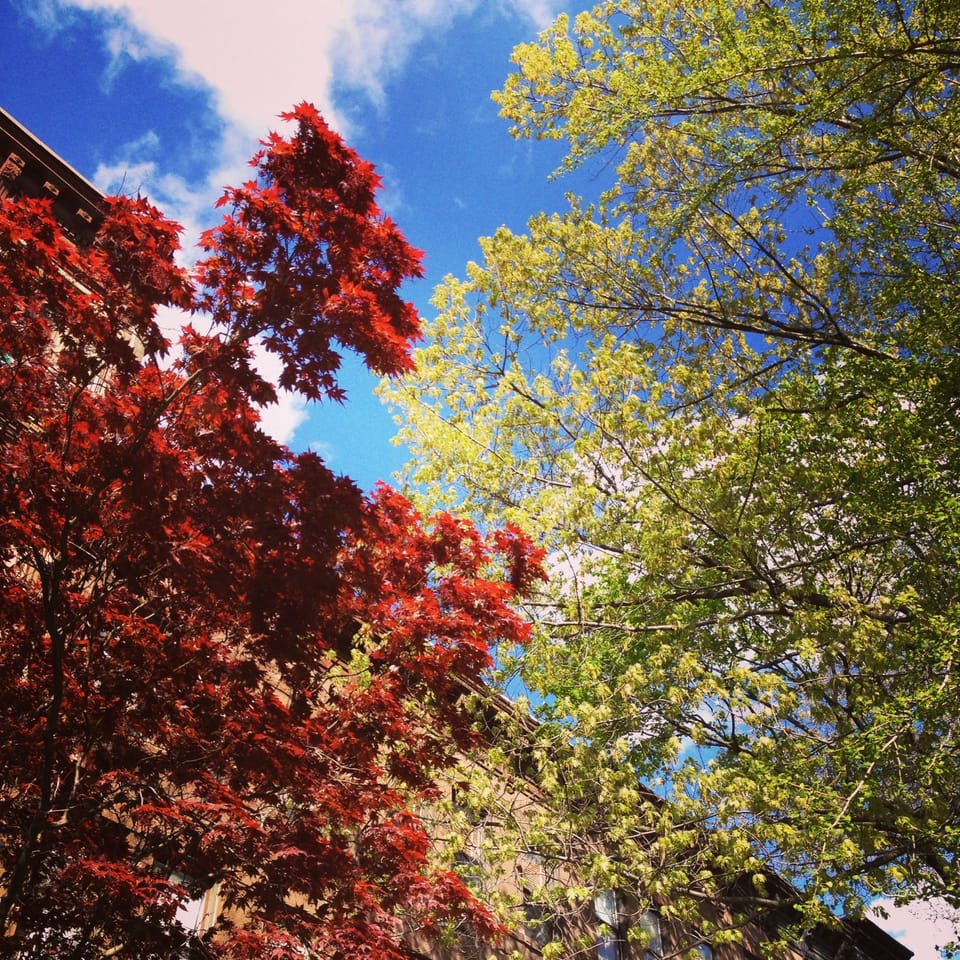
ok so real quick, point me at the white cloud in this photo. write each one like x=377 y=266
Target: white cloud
x=540 y=12
x=49 y=15
x=258 y=59
x=188 y=205
x=327 y=452
x=281 y=419
x=123 y=42
x=255 y=60
x=923 y=927
x=390 y=199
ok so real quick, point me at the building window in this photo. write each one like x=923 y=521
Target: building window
x=469 y=869
x=538 y=922
x=197 y=913
x=539 y=918
x=609 y=939
x=703 y=951
x=649 y=922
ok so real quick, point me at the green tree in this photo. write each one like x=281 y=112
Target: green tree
x=724 y=394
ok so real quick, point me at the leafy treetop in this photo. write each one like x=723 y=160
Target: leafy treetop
x=724 y=397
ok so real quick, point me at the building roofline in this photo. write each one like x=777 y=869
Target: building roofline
x=29 y=168
x=44 y=154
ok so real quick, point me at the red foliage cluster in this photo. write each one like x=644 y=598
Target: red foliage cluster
x=220 y=661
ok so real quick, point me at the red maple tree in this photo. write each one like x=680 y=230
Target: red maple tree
x=222 y=665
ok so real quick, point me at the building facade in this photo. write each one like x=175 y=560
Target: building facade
x=29 y=168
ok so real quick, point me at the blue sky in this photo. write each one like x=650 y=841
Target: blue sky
x=169 y=97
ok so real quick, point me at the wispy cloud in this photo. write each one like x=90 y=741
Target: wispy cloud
x=923 y=927
x=257 y=59
x=138 y=170
x=539 y=12
x=282 y=418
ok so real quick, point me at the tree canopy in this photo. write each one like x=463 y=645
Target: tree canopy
x=224 y=668
x=722 y=393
